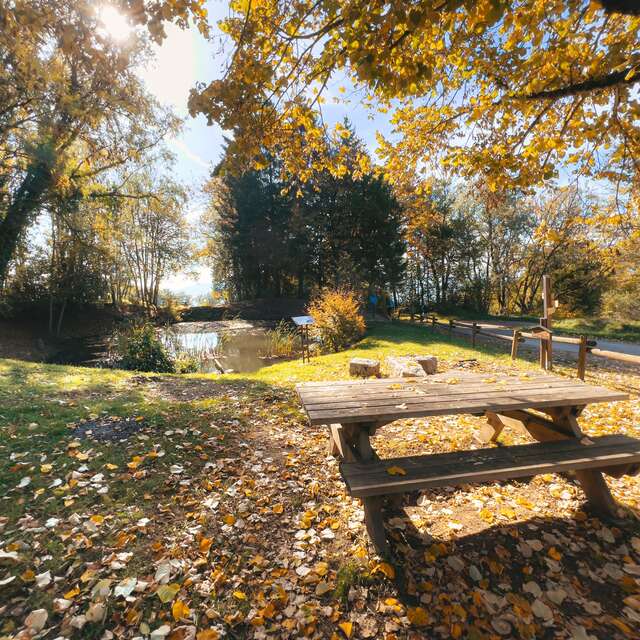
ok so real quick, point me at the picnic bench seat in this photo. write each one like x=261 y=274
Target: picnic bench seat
x=365 y=479
x=545 y=407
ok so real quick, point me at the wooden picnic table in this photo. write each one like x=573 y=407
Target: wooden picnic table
x=355 y=409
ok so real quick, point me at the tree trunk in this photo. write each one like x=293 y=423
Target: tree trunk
x=21 y=211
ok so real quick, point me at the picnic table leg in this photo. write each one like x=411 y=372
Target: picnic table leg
x=356 y=437
x=591 y=480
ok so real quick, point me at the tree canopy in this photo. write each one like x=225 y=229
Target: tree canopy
x=513 y=91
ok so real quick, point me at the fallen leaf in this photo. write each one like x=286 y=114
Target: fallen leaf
x=167 y=592
x=386 y=569
x=418 y=616
x=179 y=610
x=396 y=471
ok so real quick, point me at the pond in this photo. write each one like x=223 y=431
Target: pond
x=223 y=346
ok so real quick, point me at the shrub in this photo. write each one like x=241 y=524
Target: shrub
x=622 y=303
x=140 y=349
x=187 y=364
x=337 y=318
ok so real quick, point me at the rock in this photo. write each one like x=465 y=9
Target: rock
x=364 y=367
x=404 y=367
x=428 y=363
x=412 y=366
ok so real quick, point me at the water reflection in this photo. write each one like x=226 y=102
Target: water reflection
x=227 y=345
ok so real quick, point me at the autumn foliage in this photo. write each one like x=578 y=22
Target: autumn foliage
x=337 y=317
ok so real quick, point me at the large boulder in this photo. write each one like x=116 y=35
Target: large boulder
x=411 y=366
x=364 y=367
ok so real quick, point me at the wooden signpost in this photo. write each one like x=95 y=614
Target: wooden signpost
x=546 y=338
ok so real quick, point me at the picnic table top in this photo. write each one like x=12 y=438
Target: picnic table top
x=454 y=392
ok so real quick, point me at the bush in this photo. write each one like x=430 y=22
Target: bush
x=140 y=349
x=622 y=303
x=187 y=364
x=337 y=318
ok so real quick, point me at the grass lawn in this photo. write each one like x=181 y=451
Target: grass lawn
x=205 y=507
x=628 y=331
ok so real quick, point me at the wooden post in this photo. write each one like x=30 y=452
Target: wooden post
x=546 y=350
x=450 y=329
x=433 y=322
x=474 y=329
x=582 y=357
x=357 y=437
x=514 y=344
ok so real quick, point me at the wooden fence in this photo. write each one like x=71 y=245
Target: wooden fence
x=542 y=335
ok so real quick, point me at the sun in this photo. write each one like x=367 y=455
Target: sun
x=114 y=23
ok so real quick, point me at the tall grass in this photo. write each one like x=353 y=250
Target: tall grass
x=280 y=341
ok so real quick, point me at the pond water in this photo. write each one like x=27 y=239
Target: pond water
x=230 y=345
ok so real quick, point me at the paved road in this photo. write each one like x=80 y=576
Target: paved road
x=506 y=328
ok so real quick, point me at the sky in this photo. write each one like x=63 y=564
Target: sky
x=184 y=58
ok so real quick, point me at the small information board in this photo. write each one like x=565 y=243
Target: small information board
x=303 y=322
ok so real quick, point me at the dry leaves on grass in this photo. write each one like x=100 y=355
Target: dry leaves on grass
x=227 y=519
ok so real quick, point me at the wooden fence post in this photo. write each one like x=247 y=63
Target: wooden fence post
x=450 y=329
x=474 y=328
x=582 y=357
x=514 y=344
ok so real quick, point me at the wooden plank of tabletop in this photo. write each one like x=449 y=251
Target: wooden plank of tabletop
x=313 y=404
x=415 y=391
x=474 y=404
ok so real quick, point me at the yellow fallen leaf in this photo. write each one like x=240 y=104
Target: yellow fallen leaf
x=239 y=595
x=97 y=519
x=386 y=569
x=418 y=616
x=396 y=471
x=46 y=468
x=554 y=553
x=208 y=634
x=179 y=610
x=70 y=595
x=229 y=519
x=486 y=515
x=135 y=462
x=277 y=508
x=347 y=628
x=111 y=466
x=205 y=545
